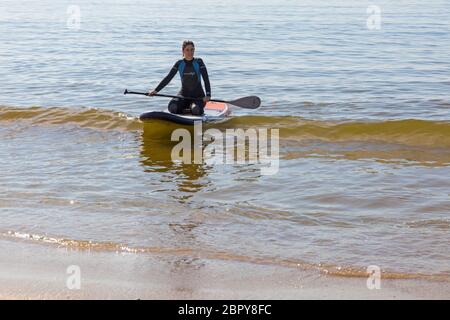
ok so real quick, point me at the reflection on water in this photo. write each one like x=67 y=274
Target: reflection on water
x=156 y=157
x=187 y=179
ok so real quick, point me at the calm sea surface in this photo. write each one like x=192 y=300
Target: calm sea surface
x=363 y=114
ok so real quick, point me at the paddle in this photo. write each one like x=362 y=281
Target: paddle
x=251 y=102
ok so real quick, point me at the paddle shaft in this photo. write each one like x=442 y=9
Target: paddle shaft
x=170 y=96
x=251 y=102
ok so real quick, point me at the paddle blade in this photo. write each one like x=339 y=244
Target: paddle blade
x=251 y=102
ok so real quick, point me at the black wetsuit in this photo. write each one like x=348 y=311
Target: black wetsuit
x=191 y=85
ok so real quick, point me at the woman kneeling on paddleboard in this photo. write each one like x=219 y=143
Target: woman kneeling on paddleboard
x=191 y=71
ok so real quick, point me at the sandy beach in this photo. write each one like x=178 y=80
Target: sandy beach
x=34 y=271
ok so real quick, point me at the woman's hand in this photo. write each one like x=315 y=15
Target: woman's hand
x=152 y=92
x=206 y=99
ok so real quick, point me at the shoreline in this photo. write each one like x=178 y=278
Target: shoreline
x=34 y=271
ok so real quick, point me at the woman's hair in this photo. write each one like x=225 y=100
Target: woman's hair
x=187 y=43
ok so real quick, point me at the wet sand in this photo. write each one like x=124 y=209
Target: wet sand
x=35 y=271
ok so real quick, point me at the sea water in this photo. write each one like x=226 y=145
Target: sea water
x=359 y=91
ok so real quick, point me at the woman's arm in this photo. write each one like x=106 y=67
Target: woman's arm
x=168 y=78
x=205 y=77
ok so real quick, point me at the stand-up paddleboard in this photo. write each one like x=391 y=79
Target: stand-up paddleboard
x=214 y=112
x=159 y=125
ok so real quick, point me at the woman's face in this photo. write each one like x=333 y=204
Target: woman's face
x=188 y=52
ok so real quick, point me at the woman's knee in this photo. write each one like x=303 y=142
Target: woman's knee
x=197 y=108
x=174 y=106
